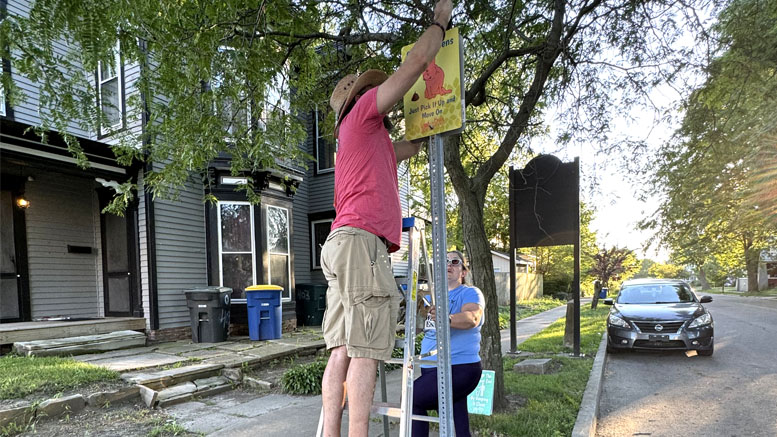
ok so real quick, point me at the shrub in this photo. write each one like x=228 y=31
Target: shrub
x=304 y=379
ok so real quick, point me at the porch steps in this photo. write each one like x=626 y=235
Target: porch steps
x=161 y=379
x=85 y=344
x=168 y=387
x=41 y=330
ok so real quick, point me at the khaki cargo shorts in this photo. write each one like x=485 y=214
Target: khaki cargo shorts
x=362 y=301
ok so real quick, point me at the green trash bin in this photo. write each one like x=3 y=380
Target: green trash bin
x=311 y=304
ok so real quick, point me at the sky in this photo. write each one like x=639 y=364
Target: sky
x=616 y=195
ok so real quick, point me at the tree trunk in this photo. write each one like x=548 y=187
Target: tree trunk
x=752 y=258
x=482 y=275
x=597 y=289
x=703 y=279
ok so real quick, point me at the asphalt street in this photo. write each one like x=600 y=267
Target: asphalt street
x=732 y=393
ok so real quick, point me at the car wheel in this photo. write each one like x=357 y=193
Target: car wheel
x=612 y=350
x=708 y=352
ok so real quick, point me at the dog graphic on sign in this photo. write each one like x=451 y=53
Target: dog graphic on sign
x=434 y=77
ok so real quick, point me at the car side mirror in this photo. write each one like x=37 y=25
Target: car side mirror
x=705 y=299
x=608 y=301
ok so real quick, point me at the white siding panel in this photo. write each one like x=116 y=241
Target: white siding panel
x=403 y=175
x=145 y=286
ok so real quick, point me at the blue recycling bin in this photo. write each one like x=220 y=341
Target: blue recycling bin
x=263 y=303
x=603 y=293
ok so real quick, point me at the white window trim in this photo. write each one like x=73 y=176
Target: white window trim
x=319 y=170
x=222 y=252
x=119 y=87
x=316 y=263
x=288 y=250
x=2 y=100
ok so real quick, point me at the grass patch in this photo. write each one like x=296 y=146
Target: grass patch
x=732 y=290
x=551 y=339
x=547 y=405
x=167 y=429
x=527 y=308
x=717 y=290
x=21 y=376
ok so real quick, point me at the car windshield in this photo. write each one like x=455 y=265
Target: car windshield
x=655 y=294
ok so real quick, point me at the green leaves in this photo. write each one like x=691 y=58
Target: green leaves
x=304 y=379
x=715 y=178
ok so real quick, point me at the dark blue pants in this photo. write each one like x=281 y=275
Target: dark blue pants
x=464 y=377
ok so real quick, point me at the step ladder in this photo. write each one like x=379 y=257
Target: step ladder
x=438 y=286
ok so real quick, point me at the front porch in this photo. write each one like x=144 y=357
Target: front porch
x=28 y=331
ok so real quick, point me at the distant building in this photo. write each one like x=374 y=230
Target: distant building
x=523 y=263
x=767 y=269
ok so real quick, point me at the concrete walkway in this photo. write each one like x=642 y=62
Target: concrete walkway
x=240 y=413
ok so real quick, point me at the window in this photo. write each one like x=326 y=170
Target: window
x=2 y=100
x=771 y=270
x=230 y=108
x=237 y=251
x=276 y=99
x=325 y=142
x=319 y=230
x=110 y=93
x=279 y=266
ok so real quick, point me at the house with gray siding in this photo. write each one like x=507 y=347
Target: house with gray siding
x=63 y=259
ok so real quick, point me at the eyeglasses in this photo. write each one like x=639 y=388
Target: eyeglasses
x=454 y=262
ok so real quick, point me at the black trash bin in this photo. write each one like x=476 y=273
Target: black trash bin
x=311 y=303
x=209 y=313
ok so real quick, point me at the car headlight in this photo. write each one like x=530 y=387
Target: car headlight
x=704 y=319
x=614 y=319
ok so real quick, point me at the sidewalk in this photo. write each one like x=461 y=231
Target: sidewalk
x=240 y=413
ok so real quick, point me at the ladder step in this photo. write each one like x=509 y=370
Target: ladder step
x=416 y=359
x=393 y=410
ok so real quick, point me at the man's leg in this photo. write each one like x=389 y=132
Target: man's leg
x=361 y=389
x=332 y=390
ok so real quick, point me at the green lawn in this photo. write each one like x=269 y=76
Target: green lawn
x=527 y=308
x=549 y=403
x=21 y=376
x=732 y=290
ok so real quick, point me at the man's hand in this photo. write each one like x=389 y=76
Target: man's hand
x=407 y=149
x=442 y=12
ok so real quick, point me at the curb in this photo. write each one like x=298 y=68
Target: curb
x=585 y=425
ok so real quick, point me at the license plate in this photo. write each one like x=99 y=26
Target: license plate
x=657 y=338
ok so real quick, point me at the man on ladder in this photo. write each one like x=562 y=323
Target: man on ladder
x=362 y=301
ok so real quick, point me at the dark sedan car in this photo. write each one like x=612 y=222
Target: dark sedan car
x=662 y=314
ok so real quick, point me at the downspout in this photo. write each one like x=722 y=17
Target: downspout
x=153 y=297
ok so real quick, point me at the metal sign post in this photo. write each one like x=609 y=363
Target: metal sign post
x=444 y=387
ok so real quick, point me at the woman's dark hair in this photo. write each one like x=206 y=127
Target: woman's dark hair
x=463 y=263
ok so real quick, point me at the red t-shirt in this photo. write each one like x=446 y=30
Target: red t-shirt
x=366 y=188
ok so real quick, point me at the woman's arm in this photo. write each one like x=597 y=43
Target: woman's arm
x=468 y=318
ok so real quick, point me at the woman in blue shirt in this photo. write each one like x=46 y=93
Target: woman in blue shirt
x=465 y=304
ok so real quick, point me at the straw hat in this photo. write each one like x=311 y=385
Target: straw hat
x=346 y=90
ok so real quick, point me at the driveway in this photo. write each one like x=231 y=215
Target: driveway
x=732 y=393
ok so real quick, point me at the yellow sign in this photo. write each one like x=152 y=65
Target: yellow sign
x=435 y=104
